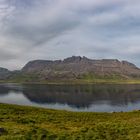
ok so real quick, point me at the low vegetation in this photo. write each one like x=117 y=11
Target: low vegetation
x=29 y=123
x=88 y=78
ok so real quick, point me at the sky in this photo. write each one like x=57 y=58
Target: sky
x=56 y=29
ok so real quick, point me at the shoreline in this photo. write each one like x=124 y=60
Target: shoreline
x=75 y=82
x=64 y=110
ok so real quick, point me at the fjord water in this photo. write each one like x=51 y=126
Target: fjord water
x=93 y=98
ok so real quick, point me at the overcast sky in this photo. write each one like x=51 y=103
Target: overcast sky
x=55 y=29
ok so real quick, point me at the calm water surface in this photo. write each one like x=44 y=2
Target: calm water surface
x=94 y=98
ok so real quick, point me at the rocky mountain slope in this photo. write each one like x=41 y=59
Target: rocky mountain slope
x=77 y=67
x=72 y=68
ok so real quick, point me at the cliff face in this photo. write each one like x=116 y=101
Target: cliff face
x=76 y=66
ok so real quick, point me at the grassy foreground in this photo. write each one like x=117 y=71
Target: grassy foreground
x=29 y=123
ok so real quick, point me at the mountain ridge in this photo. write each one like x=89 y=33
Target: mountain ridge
x=74 y=68
x=77 y=67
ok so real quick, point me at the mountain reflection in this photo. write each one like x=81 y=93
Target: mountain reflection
x=79 y=96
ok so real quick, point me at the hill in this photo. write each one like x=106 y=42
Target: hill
x=4 y=73
x=74 y=68
x=77 y=67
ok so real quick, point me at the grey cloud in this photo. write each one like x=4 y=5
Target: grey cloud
x=54 y=29
x=39 y=26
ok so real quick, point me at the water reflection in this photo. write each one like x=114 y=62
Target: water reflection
x=74 y=97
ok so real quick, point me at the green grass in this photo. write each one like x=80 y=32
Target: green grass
x=29 y=123
x=84 y=80
x=88 y=78
x=76 y=81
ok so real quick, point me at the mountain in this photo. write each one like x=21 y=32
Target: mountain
x=74 y=68
x=77 y=67
x=4 y=73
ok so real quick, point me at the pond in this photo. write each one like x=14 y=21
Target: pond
x=87 y=98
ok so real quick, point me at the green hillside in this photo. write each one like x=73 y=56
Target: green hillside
x=28 y=123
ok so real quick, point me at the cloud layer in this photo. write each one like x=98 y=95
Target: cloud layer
x=55 y=29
